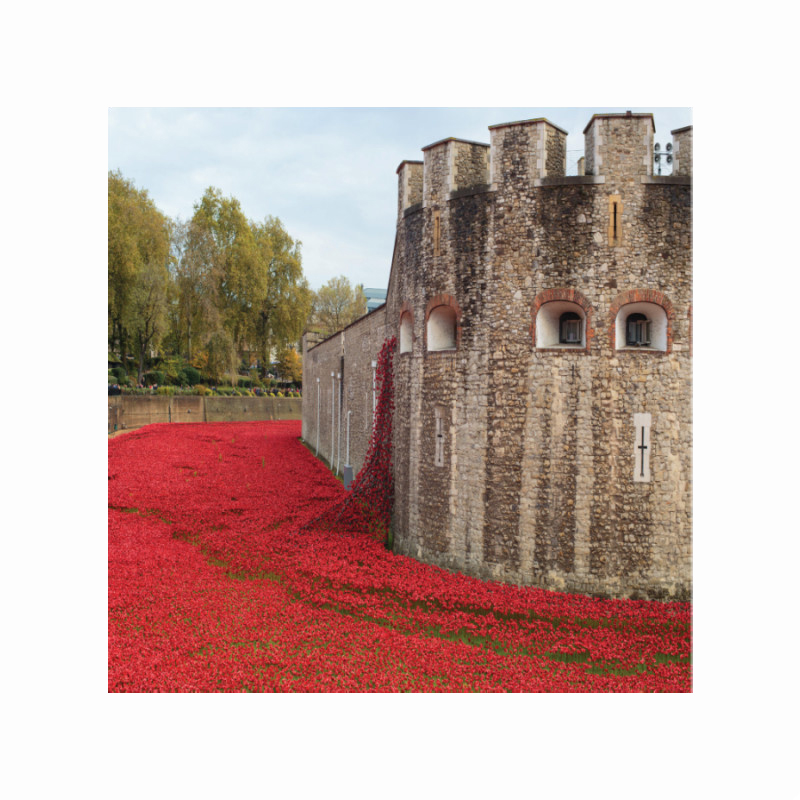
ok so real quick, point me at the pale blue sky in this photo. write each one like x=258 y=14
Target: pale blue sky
x=328 y=173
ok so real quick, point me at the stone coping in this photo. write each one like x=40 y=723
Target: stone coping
x=454 y=139
x=403 y=163
x=528 y=122
x=682 y=130
x=382 y=306
x=620 y=115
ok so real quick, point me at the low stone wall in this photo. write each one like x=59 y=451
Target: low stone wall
x=127 y=412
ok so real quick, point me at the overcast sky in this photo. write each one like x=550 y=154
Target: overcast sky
x=329 y=174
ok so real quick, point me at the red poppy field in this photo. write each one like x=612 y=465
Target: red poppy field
x=216 y=583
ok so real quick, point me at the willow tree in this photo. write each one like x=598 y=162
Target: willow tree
x=196 y=277
x=138 y=254
x=222 y=239
x=286 y=302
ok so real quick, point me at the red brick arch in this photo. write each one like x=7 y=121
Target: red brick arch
x=570 y=296
x=443 y=300
x=640 y=296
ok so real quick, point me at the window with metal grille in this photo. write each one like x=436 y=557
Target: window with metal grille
x=637 y=331
x=570 y=328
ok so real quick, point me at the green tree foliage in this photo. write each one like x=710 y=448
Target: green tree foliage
x=146 y=317
x=227 y=240
x=138 y=254
x=196 y=314
x=336 y=305
x=212 y=290
x=286 y=302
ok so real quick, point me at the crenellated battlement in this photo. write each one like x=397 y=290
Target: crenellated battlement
x=452 y=165
x=409 y=185
x=524 y=152
x=682 y=151
x=529 y=153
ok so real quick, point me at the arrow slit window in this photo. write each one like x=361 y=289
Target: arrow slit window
x=438 y=458
x=641 y=448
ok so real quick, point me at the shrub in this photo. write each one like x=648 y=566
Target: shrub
x=191 y=375
x=155 y=376
x=120 y=375
x=202 y=390
x=166 y=390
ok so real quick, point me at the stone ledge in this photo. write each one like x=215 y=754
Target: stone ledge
x=481 y=188
x=570 y=180
x=580 y=350
x=412 y=209
x=670 y=180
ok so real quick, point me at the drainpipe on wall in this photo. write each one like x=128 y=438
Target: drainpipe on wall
x=348 y=470
x=374 y=365
x=339 y=435
x=317 y=453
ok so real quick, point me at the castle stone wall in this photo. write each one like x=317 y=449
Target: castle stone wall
x=349 y=353
x=537 y=483
x=519 y=462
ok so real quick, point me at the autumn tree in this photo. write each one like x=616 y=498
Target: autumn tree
x=138 y=256
x=239 y=286
x=336 y=305
x=290 y=365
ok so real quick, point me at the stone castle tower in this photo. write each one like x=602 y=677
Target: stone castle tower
x=542 y=430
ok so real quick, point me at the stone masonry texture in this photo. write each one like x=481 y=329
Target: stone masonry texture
x=537 y=481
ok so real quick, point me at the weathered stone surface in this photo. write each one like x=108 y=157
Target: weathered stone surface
x=537 y=483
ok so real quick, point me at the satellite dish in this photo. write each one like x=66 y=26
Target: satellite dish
x=669 y=147
x=658 y=147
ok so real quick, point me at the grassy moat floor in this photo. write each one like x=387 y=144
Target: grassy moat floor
x=214 y=587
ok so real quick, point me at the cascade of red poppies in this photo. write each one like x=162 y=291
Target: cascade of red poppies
x=368 y=504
